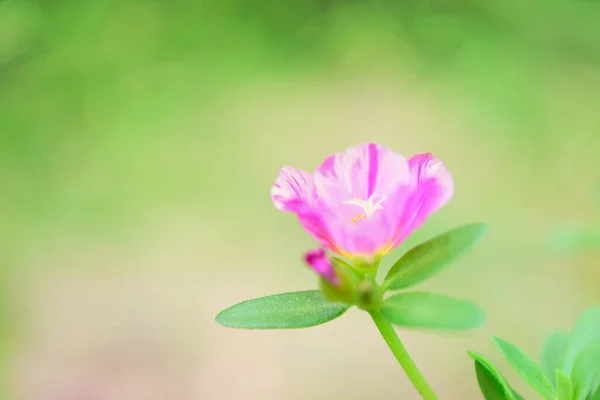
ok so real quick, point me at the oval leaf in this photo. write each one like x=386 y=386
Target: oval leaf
x=282 y=311
x=564 y=387
x=586 y=373
x=488 y=383
x=428 y=258
x=586 y=331
x=596 y=387
x=553 y=354
x=434 y=311
x=527 y=368
x=491 y=382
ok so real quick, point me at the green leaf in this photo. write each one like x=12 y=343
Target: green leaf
x=553 y=354
x=586 y=331
x=564 y=387
x=428 y=258
x=430 y=310
x=488 y=383
x=596 y=387
x=527 y=368
x=282 y=311
x=491 y=382
x=517 y=395
x=586 y=373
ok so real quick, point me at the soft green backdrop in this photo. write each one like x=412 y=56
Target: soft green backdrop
x=139 y=141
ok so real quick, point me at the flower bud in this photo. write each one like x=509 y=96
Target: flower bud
x=347 y=280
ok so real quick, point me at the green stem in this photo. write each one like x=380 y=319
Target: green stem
x=393 y=341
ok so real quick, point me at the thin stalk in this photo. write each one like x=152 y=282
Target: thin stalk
x=393 y=341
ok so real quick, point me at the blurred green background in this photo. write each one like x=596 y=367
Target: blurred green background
x=139 y=141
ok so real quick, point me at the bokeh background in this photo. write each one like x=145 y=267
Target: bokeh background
x=139 y=141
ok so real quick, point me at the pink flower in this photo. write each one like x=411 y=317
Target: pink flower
x=318 y=261
x=365 y=201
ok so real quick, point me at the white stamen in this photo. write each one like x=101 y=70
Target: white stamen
x=369 y=206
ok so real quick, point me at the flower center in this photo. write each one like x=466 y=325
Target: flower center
x=369 y=206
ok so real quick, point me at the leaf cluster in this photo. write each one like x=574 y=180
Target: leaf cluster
x=569 y=367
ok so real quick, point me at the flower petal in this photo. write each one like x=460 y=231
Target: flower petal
x=366 y=200
x=293 y=189
x=360 y=172
x=318 y=261
x=432 y=187
x=430 y=176
x=357 y=191
x=316 y=220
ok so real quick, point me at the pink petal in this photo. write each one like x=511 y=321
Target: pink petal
x=431 y=175
x=318 y=261
x=293 y=189
x=315 y=221
x=360 y=172
x=366 y=200
x=432 y=187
